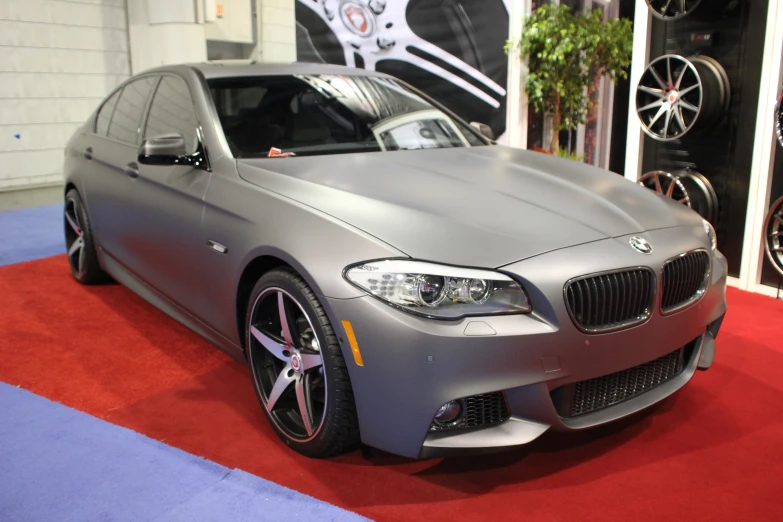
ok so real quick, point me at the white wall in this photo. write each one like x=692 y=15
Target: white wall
x=164 y=32
x=277 y=31
x=236 y=25
x=58 y=59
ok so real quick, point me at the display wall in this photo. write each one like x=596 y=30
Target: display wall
x=450 y=49
x=722 y=45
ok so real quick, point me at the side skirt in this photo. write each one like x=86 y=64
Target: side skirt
x=123 y=275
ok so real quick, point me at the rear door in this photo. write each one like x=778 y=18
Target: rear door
x=112 y=154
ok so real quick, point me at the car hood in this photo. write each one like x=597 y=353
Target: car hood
x=479 y=206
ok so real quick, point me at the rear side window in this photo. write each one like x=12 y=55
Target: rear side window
x=104 y=115
x=127 y=114
x=172 y=112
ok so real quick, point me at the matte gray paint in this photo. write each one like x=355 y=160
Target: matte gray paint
x=478 y=206
x=540 y=219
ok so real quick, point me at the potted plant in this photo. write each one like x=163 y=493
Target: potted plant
x=565 y=51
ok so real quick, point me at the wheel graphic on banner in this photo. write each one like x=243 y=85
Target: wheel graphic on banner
x=668 y=10
x=373 y=30
x=676 y=94
x=666 y=184
x=773 y=235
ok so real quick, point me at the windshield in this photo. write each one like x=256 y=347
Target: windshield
x=306 y=115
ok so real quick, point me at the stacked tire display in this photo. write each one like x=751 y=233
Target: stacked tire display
x=678 y=96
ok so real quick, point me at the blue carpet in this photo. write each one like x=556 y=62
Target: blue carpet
x=31 y=233
x=59 y=464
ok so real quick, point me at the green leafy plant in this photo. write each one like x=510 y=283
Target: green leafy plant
x=565 y=52
x=563 y=153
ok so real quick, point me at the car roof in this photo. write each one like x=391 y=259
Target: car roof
x=240 y=68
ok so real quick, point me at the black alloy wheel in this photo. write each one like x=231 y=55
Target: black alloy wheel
x=79 y=242
x=773 y=235
x=298 y=369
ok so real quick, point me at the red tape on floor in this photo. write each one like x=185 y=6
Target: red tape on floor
x=713 y=451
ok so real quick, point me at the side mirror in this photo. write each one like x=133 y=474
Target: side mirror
x=484 y=129
x=168 y=149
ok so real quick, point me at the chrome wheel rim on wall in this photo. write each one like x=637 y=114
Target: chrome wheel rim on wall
x=779 y=119
x=666 y=184
x=672 y=9
x=773 y=235
x=677 y=94
x=687 y=187
x=703 y=198
x=287 y=364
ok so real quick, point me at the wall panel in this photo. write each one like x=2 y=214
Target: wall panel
x=58 y=59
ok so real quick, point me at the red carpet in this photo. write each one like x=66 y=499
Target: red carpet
x=714 y=451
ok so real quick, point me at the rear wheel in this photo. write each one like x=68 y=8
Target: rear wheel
x=79 y=242
x=297 y=367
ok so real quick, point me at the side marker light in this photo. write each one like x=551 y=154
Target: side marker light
x=357 y=355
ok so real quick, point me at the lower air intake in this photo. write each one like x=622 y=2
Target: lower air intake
x=593 y=395
x=478 y=411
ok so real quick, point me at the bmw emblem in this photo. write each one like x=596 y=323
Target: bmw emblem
x=640 y=245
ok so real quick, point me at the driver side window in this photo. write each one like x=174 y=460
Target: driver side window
x=172 y=112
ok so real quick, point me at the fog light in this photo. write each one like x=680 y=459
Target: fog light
x=449 y=412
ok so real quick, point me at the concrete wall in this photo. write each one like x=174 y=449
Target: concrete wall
x=58 y=59
x=277 y=30
x=236 y=24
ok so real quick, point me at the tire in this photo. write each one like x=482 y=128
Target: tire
x=79 y=242
x=289 y=380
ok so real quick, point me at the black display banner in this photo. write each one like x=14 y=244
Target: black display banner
x=450 y=49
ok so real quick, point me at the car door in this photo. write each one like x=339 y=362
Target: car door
x=166 y=204
x=111 y=157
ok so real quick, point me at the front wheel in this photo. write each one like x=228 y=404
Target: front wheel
x=297 y=367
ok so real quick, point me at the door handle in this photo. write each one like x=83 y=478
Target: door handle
x=132 y=169
x=88 y=153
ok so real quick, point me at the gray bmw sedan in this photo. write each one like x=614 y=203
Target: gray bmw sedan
x=388 y=273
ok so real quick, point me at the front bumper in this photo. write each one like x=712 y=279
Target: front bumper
x=412 y=365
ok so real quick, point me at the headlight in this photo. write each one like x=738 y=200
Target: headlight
x=710 y=233
x=443 y=292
